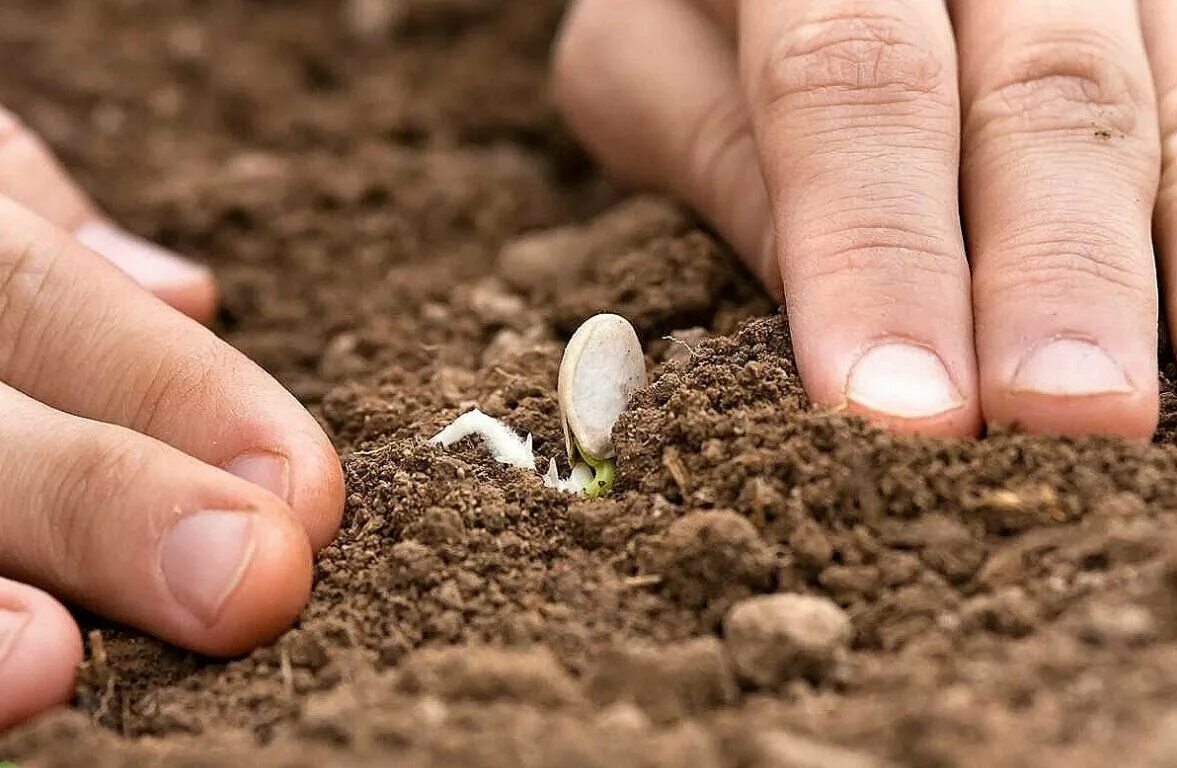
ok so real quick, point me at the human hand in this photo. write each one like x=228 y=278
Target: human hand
x=148 y=471
x=836 y=144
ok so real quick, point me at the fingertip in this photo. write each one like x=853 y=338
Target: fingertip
x=40 y=650
x=1072 y=386
x=271 y=592
x=317 y=491
x=1132 y=415
x=963 y=421
x=185 y=285
x=198 y=299
x=305 y=473
x=907 y=388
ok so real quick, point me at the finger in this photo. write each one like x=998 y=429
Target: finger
x=32 y=176
x=77 y=335
x=657 y=99
x=144 y=534
x=1159 y=21
x=855 y=110
x=1059 y=177
x=40 y=649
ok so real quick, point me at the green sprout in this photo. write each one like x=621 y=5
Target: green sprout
x=604 y=473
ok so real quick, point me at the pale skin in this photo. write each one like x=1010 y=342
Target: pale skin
x=155 y=476
x=148 y=471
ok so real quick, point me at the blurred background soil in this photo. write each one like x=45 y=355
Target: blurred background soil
x=403 y=231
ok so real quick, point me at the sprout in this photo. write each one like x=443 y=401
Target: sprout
x=602 y=367
x=505 y=446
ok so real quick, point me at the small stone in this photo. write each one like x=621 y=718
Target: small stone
x=774 y=638
x=508 y=343
x=494 y=304
x=186 y=44
x=1009 y=612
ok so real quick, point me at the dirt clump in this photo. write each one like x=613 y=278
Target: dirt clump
x=773 y=638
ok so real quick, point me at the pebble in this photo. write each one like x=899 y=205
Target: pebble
x=774 y=638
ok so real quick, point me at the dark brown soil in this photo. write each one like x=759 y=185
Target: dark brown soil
x=403 y=232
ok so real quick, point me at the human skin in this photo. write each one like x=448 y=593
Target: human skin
x=148 y=471
x=839 y=144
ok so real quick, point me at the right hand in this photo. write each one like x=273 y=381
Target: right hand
x=837 y=144
x=148 y=471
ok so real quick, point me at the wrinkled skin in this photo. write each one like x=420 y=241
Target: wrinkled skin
x=838 y=145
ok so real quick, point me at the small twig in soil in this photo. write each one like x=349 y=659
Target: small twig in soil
x=104 y=676
x=641 y=581
x=690 y=350
x=673 y=463
x=287 y=672
x=98 y=655
x=372 y=452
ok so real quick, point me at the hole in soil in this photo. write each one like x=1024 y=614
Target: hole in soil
x=1095 y=561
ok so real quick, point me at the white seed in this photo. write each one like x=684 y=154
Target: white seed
x=602 y=367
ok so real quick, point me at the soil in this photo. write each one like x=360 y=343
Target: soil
x=403 y=231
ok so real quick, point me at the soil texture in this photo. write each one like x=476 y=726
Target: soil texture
x=403 y=231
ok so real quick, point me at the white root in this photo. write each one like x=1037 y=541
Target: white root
x=504 y=444
x=576 y=482
x=506 y=447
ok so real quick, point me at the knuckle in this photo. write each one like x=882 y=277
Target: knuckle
x=889 y=253
x=1065 y=82
x=92 y=485
x=1082 y=263
x=26 y=272
x=177 y=379
x=868 y=58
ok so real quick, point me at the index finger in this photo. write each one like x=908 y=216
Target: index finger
x=856 y=113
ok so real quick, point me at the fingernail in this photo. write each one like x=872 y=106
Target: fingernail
x=11 y=623
x=148 y=264
x=903 y=380
x=203 y=558
x=265 y=469
x=1070 y=367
